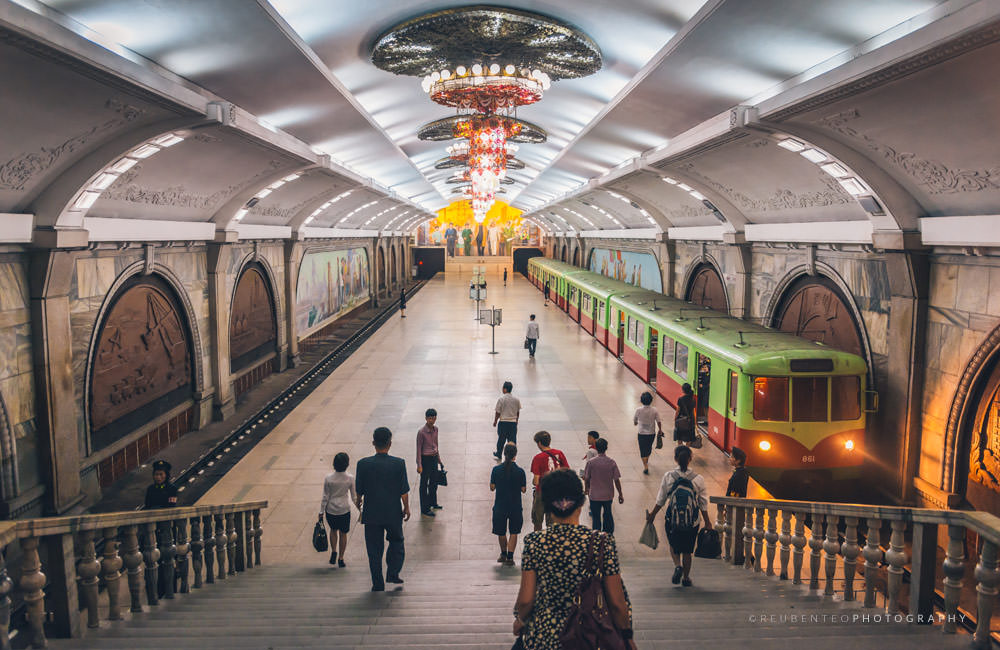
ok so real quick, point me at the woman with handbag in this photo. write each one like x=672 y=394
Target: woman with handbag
x=565 y=570
x=684 y=424
x=647 y=418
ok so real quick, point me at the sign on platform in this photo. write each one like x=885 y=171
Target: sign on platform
x=491 y=317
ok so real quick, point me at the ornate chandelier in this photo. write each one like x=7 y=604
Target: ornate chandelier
x=485 y=62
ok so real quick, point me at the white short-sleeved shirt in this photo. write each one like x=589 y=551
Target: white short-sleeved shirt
x=697 y=480
x=509 y=407
x=338 y=492
x=647 y=418
x=532 y=332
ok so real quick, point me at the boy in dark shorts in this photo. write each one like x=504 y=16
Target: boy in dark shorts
x=509 y=482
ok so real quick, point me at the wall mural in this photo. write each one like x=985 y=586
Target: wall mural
x=252 y=329
x=639 y=269
x=330 y=283
x=500 y=232
x=143 y=361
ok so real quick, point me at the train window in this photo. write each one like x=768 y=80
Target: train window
x=631 y=328
x=811 y=365
x=640 y=335
x=770 y=399
x=809 y=399
x=668 y=352
x=845 y=398
x=600 y=306
x=734 y=382
x=681 y=363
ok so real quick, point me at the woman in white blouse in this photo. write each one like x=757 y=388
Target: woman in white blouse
x=647 y=418
x=338 y=493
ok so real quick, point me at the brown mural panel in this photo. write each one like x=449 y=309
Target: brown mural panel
x=252 y=330
x=814 y=310
x=706 y=289
x=143 y=359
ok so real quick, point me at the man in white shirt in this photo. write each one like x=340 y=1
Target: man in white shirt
x=531 y=336
x=338 y=493
x=505 y=417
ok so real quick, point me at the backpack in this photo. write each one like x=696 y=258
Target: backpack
x=682 y=506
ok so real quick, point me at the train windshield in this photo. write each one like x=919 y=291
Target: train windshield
x=770 y=399
x=845 y=400
x=809 y=399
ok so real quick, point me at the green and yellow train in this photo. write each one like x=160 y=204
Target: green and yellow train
x=795 y=406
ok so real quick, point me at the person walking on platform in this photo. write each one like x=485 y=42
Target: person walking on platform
x=509 y=482
x=648 y=420
x=383 y=492
x=601 y=477
x=546 y=293
x=684 y=423
x=531 y=336
x=545 y=461
x=402 y=303
x=737 y=487
x=683 y=491
x=505 y=417
x=338 y=493
x=451 y=238
x=428 y=460
x=505 y=276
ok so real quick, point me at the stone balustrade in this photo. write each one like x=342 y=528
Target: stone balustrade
x=879 y=536
x=150 y=547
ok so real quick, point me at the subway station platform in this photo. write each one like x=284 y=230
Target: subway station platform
x=438 y=357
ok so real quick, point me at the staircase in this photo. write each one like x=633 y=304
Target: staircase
x=467 y=604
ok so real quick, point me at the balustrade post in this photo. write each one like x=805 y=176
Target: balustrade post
x=873 y=555
x=850 y=550
x=31 y=584
x=241 y=542
x=133 y=566
x=923 y=568
x=986 y=588
x=798 y=544
x=747 y=538
x=196 y=548
x=758 y=540
x=6 y=587
x=87 y=570
x=248 y=537
x=182 y=558
x=209 y=550
x=221 y=543
x=953 y=569
x=256 y=537
x=151 y=556
x=816 y=548
x=896 y=557
x=231 y=543
x=111 y=565
x=771 y=537
x=831 y=546
x=168 y=553
x=784 y=539
x=722 y=530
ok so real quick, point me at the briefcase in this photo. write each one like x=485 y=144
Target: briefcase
x=319 y=537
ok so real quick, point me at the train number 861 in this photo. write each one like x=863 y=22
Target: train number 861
x=808 y=459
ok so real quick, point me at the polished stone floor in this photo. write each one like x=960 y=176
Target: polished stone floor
x=438 y=356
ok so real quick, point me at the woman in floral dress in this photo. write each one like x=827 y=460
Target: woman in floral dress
x=553 y=565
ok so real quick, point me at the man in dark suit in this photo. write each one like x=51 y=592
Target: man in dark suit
x=383 y=497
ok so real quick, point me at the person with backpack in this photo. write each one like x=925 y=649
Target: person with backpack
x=683 y=492
x=509 y=482
x=545 y=461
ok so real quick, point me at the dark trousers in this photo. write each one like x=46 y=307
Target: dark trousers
x=375 y=537
x=428 y=482
x=506 y=432
x=601 y=521
x=532 y=344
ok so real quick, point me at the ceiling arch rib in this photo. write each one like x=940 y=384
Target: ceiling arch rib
x=650 y=213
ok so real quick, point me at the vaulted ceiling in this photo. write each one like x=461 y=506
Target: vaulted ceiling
x=680 y=128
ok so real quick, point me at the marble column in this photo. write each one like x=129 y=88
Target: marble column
x=219 y=300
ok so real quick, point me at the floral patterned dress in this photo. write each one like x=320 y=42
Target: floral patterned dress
x=558 y=556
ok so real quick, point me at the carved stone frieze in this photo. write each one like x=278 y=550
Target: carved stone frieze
x=278 y=212
x=16 y=173
x=933 y=175
x=781 y=198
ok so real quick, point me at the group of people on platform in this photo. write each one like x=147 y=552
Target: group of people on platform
x=558 y=554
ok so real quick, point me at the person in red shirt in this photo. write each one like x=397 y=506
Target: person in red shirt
x=546 y=460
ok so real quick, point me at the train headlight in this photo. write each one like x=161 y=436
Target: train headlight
x=849 y=445
x=764 y=445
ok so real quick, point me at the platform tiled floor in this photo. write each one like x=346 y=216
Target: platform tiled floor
x=439 y=357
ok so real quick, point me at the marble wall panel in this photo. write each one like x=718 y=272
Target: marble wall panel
x=17 y=385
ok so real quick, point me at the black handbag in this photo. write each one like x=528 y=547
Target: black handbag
x=442 y=478
x=527 y=344
x=319 y=537
x=659 y=441
x=708 y=544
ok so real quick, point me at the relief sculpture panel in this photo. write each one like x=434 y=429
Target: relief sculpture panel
x=252 y=329
x=815 y=311
x=706 y=289
x=143 y=359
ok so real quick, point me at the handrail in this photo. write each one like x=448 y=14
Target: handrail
x=62 y=525
x=846 y=534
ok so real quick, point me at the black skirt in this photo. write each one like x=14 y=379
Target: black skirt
x=646 y=444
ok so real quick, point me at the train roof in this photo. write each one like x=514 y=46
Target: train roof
x=554 y=265
x=599 y=285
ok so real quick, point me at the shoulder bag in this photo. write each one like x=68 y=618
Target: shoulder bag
x=319 y=536
x=589 y=623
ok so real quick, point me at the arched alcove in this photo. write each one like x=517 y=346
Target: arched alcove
x=706 y=288
x=576 y=257
x=563 y=255
x=253 y=331
x=393 y=272
x=814 y=307
x=380 y=266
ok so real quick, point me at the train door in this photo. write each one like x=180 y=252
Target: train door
x=593 y=316
x=704 y=365
x=620 y=352
x=730 y=423
x=654 y=346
